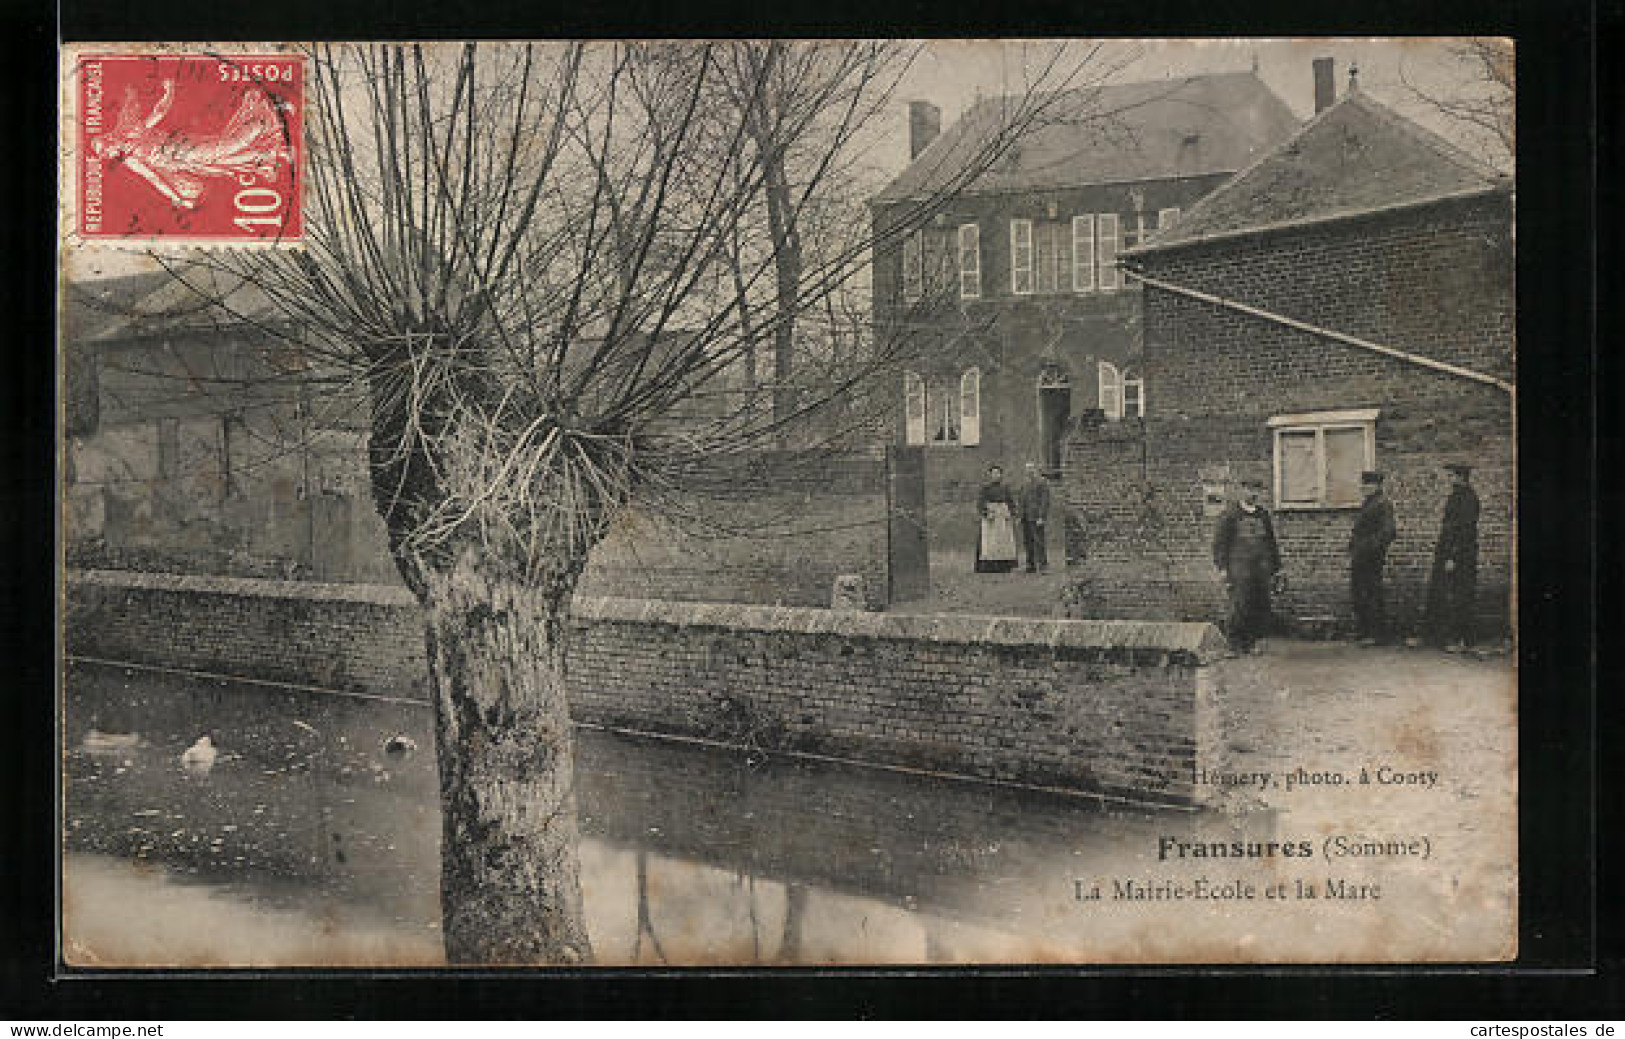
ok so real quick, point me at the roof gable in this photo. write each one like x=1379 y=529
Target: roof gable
x=1358 y=156
x=1111 y=134
x=131 y=307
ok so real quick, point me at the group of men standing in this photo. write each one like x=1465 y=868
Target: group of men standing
x=1247 y=556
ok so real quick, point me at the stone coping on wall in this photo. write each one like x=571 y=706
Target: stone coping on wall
x=257 y=587
x=1179 y=641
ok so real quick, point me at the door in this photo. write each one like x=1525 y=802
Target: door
x=908 y=560
x=1054 y=412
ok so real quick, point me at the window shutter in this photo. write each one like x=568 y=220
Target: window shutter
x=1021 y=257
x=1345 y=460
x=1297 y=468
x=1109 y=277
x=970 y=261
x=1133 y=395
x=1111 y=389
x=1083 y=253
x=914 y=408
x=970 y=407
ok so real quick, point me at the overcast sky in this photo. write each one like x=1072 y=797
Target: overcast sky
x=951 y=74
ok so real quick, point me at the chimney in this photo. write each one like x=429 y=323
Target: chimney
x=924 y=123
x=1325 y=89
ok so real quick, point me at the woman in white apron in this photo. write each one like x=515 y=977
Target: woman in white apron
x=996 y=535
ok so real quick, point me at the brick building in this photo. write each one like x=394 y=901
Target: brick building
x=1346 y=303
x=197 y=441
x=204 y=444
x=999 y=279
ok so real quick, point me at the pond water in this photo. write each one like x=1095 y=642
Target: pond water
x=313 y=840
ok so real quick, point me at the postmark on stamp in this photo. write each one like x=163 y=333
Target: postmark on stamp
x=205 y=148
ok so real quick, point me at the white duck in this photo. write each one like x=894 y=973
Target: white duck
x=198 y=759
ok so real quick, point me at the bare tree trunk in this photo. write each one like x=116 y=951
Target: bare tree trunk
x=782 y=230
x=509 y=886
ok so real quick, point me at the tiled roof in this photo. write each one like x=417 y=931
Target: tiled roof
x=93 y=307
x=1106 y=135
x=1358 y=156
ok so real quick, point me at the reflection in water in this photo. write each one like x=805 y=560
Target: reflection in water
x=644 y=926
x=313 y=839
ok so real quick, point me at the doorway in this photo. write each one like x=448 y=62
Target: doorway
x=1054 y=412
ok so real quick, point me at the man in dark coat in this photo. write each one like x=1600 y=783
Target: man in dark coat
x=1033 y=505
x=1368 y=553
x=1453 y=587
x=1246 y=555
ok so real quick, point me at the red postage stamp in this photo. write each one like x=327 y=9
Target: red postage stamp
x=198 y=147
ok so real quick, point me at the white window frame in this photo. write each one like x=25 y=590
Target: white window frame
x=913 y=417
x=970 y=407
x=1083 y=252
x=914 y=266
x=1109 y=390
x=1136 y=229
x=1320 y=423
x=970 y=261
x=1021 y=257
x=1106 y=240
x=944 y=405
x=1133 y=402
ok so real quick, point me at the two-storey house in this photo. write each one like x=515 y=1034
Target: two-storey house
x=997 y=281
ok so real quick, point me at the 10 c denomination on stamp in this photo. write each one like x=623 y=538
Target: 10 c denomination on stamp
x=190 y=147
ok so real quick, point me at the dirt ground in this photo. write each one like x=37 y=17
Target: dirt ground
x=956 y=587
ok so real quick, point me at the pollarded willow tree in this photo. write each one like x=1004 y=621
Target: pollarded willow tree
x=540 y=266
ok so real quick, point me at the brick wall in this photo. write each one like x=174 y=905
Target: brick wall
x=301 y=507
x=1120 y=708
x=1437 y=282
x=778 y=536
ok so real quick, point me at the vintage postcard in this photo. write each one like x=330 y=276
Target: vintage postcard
x=787 y=502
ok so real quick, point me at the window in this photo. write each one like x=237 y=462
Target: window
x=1107 y=245
x=1021 y=257
x=228 y=479
x=944 y=417
x=970 y=261
x=1319 y=458
x=1053 y=246
x=1133 y=395
x=1083 y=252
x=1167 y=218
x=1135 y=231
x=970 y=407
x=169 y=448
x=913 y=267
x=928 y=264
x=914 y=408
x=1111 y=389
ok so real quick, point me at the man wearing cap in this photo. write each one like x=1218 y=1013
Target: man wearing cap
x=1453 y=586
x=1368 y=552
x=1246 y=555
x=1033 y=503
